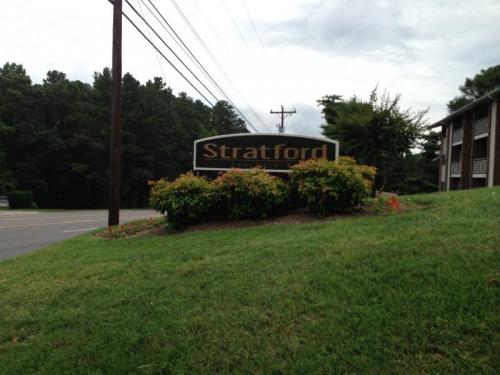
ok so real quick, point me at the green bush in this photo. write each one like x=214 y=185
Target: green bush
x=251 y=193
x=332 y=186
x=324 y=186
x=20 y=199
x=187 y=200
x=367 y=172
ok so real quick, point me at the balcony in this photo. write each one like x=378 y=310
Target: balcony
x=480 y=127
x=456 y=169
x=458 y=135
x=479 y=167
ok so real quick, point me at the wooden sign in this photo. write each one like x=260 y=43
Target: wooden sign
x=275 y=153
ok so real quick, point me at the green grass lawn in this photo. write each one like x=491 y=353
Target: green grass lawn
x=396 y=294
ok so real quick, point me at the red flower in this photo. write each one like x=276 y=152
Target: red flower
x=393 y=203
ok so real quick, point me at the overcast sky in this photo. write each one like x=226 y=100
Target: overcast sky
x=310 y=48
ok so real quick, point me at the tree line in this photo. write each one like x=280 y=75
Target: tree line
x=54 y=136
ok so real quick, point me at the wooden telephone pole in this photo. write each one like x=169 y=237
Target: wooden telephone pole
x=116 y=118
x=283 y=114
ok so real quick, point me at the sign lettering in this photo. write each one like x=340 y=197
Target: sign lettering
x=273 y=152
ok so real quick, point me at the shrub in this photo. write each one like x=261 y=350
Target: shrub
x=384 y=203
x=20 y=199
x=133 y=228
x=186 y=200
x=332 y=186
x=367 y=172
x=251 y=193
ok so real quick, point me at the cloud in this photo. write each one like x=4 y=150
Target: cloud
x=345 y=27
x=307 y=120
x=384 y=30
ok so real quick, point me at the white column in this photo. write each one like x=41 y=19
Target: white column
x=491 y=138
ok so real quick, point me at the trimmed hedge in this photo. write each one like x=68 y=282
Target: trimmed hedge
x=332 y=186
x=251 y=193
x=187 y=200
x=20 y=199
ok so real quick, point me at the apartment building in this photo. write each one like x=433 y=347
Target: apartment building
x=470 y=145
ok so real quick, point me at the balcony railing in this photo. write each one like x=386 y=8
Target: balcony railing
x=458 y=135
x=480 y=126
x=479 y=166
x=456 y=167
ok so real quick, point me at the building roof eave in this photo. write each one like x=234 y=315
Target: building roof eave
x=481 y=99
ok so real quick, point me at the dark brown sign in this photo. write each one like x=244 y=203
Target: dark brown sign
x=273 y=152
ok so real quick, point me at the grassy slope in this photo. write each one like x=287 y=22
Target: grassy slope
x=406 y=293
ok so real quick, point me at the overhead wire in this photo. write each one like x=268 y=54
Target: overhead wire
x=253 y=26
x=171 y=50
x=156 y=53
x=170 y=30
x=166 y=58
x=214 y=59
x=214 y=31
x=155 y=47
x=235 y=24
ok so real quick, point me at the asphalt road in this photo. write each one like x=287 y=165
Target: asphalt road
x=22 y=232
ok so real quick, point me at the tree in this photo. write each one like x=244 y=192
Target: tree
x=430 y=144
x=54 y=136
x=225 y=120
x=21 y=135
x=16 y=94
x=375 y=132
x=418 y=172
x=482 y=83
x=7 y=179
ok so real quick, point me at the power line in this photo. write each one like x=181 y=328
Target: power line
x=178 y=40
x=169 y=32
x=235 y=24
x=192 y=57
x=175 y=68
x=210 y=25
x=273 y=67
x=253 y=25
x=170 y=49
x=166 y=59
x=200 y=40
x=156 y=53
x=193 y=30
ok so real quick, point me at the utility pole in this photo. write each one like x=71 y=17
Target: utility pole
x=116 y=118
x=283 y=114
